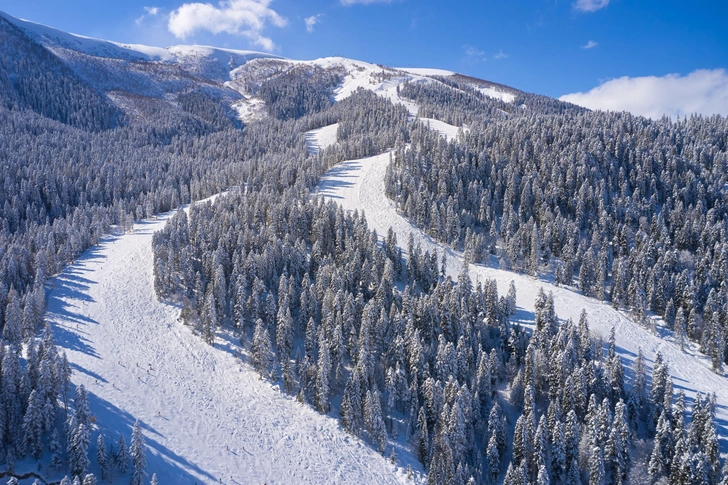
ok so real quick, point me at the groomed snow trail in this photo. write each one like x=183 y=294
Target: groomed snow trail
x=207 y=417
x=321 y=138
x=359 y=185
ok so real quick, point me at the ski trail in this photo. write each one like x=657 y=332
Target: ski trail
x=207 y=417
x=359 y=185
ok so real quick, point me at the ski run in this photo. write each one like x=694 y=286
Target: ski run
x=207 y=418
x=358 y=185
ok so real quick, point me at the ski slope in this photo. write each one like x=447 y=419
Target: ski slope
x=359 y=185
x=446 y=130
x=207 y=417
x=321 y=138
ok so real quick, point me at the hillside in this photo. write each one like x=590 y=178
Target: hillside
x=391 y=275
x=132 y=77
x=208 y=418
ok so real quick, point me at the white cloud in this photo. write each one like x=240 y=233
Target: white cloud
x=500 y=55
x=237 y=17
x=311 y=21
x=150 y=12
x=362 y=2
x=473 y=52
x=703 y=91
x=590 y=5
x=590 y=45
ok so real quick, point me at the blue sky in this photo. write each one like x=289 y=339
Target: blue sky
x=543 y=46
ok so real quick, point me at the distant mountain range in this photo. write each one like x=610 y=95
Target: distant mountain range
x=135 y=80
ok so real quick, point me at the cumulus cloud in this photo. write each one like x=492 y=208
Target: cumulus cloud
x=311 y=21
x=500 y=55
x=590 y=5
x=363 y=2
x=247 y=18
x=590 y=45
x=148 y=12
x=703 y=91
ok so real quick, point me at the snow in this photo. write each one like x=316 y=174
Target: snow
x=424 y=71
x=358 y=75
x=359 y=185
x=321 y=138
x=492 y=92
x=180 y=54
x=250 y=109
x=229 y=58
x=207 y=417
x=450 y=132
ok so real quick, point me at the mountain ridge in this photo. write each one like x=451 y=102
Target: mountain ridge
x=124 y=72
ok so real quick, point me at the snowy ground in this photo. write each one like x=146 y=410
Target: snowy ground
x=207 y=417
x=321 y=138
x=359 y=185
x=450 y=132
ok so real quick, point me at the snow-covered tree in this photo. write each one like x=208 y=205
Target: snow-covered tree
x=138 y=455
x=122 y=457
x=263 y=357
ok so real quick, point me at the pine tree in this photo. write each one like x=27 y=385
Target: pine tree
x=639 y=388
x=209 y=317
x=101 y=457
x=12 y=330
x=573 y=475
x=497 y=427
x=663 y=447
x=138 y=456
x=122 y=457
x=660 y=377
x=543 y=476
x=511 y=301
x=322 y=377
x=33 y=424
x=154 y=479
x=377 y=427
x=423 y=441
x=262 y=351
x=284 y=334
x=724 y=474
x=89 y=479
x=83 y=410
x=493 y=458
x=572 y=437
x=56 y=450
x=78 y=451
x=680 y=328
x=716 y=345
x=351 y=405
x=558 y=452
x=596 y=467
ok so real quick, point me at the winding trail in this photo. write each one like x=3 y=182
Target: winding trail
x=207 y=417
x=359 y=185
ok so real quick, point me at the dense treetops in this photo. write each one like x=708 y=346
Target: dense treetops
x=631 y=210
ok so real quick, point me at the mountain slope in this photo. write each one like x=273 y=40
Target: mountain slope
x=207 y=417
x=134 y=77
x=358 y=185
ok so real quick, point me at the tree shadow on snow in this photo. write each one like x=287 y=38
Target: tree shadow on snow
x=68 y=339
x=112 y=422
x=335 y=179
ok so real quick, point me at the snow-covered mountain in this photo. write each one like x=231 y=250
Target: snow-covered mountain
x=133 y=75
x=204 y=331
